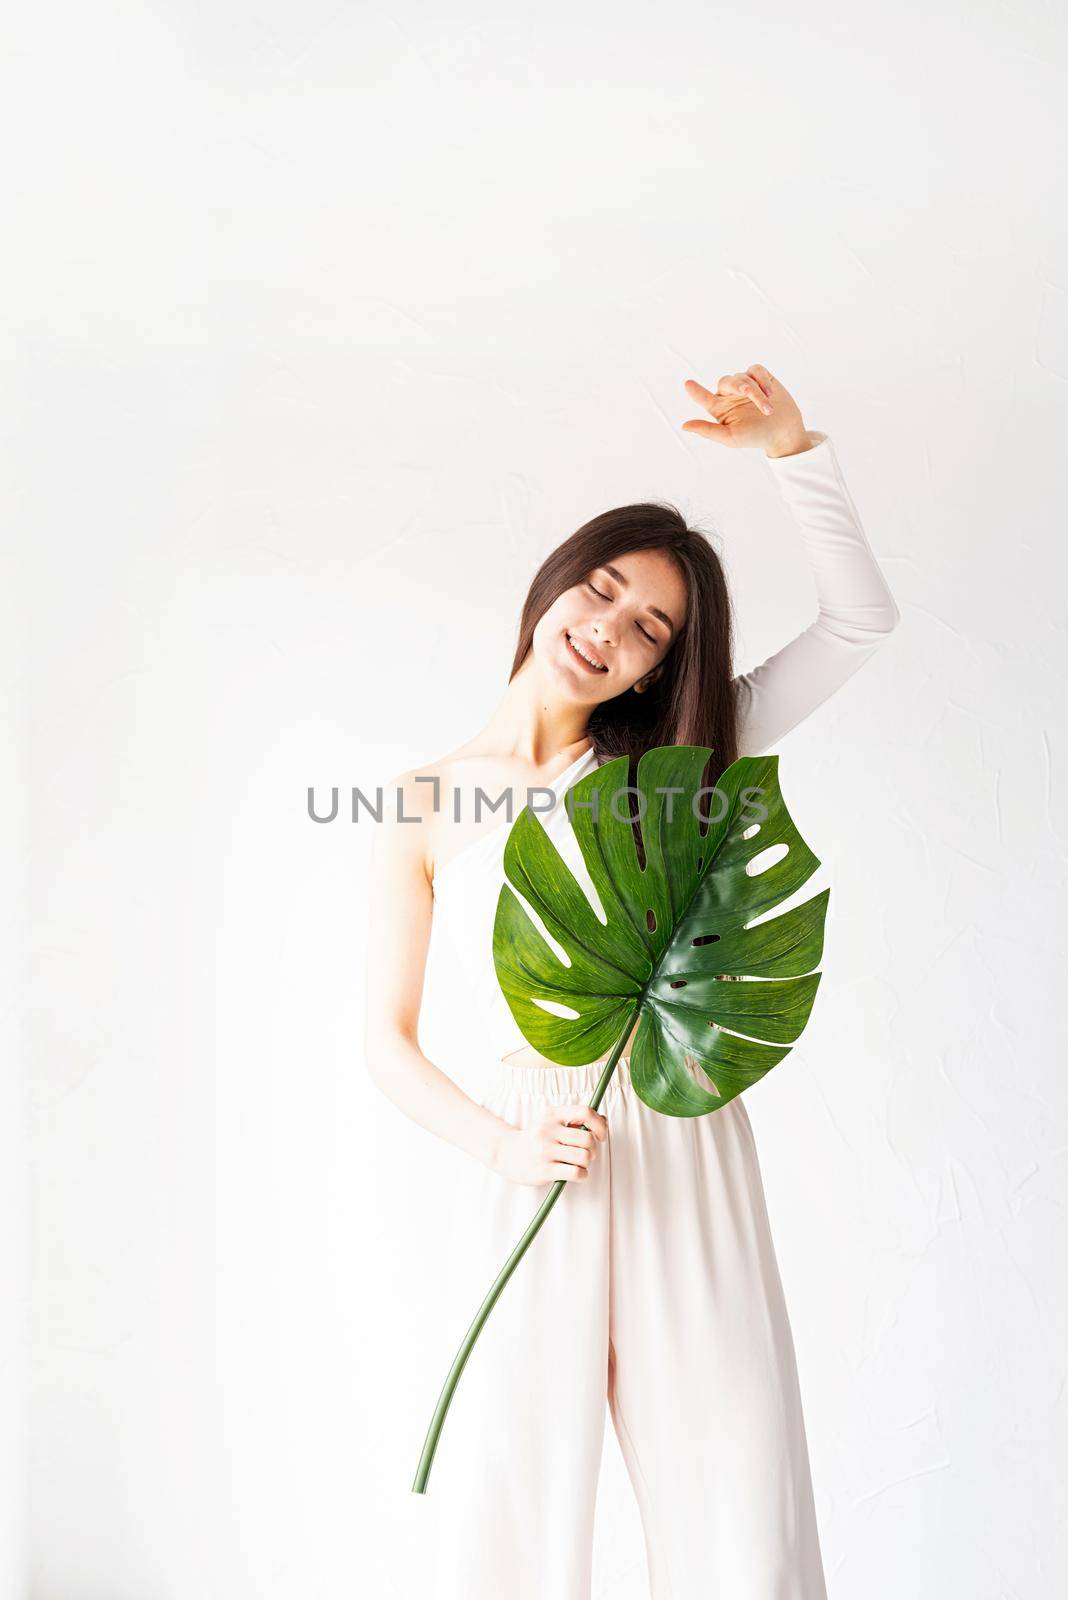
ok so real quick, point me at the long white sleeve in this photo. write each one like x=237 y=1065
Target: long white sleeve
x=856 y=609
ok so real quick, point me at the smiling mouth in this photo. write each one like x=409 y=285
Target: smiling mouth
x=590 y=666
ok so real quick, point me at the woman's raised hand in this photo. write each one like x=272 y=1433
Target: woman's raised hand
x=552 y=1146
x=750 y=408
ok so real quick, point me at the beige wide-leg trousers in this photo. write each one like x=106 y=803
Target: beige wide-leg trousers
x=653 y=1284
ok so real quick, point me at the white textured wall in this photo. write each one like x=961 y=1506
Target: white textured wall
x=329 y=320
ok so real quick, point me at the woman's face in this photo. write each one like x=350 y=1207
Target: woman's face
x=625 y=616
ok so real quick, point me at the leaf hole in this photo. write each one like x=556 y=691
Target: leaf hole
x=767 y=858
x=705 y=938
x=555 y=1009
x=678 y=983
x=696 y=1067
x=650 y=921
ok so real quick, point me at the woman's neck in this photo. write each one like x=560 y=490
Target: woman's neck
x=532 y=723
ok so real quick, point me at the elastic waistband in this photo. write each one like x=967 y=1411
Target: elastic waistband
x=561 y=1083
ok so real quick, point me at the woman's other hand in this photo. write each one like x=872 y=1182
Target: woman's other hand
x=552 y=1146
x=750 y=409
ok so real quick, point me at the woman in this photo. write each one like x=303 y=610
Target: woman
x=654 y=1284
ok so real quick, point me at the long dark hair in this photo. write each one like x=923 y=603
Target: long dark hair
x=692 y=700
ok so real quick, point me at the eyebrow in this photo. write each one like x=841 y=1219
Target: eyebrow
x=624 y=583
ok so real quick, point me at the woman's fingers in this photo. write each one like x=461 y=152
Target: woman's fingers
x=576 y=1147
x=700 y=393
x=763 y=377
x=596 y=1125
x=747 y=388
x=708 y=430
x=712 y=403
x=582 y=1145
x=744 y=385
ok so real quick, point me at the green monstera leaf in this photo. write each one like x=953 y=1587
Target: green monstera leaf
x=679 y=906
x=677 y=917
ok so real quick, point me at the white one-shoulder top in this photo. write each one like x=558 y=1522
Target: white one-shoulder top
x=856 y=612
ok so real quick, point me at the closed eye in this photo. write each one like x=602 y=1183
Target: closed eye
x=638 y=625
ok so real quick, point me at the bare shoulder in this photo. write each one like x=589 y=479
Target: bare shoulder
x=414 y=800
x=419 y=791
x=405 y=814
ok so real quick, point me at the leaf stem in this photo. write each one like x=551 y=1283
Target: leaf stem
x=430 y=1445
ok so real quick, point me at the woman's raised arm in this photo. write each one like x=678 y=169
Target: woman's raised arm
x=856 y=609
